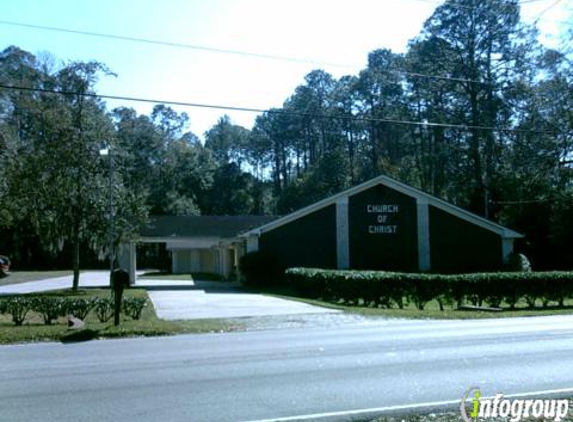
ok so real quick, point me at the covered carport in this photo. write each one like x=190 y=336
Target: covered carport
x=198 y=244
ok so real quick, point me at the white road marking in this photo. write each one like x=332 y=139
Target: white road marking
x=402 y=407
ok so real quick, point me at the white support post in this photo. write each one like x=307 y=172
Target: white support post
x=195 y=260
x=236 y=260
x=217 y=260
x=342 y=234
x=240 y=250
x=424 y=263
x=507 y=248
x=252 y=243
x=227 y=263
x=174 y=261
x=221 y=257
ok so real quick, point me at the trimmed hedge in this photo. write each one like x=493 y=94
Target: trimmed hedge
x=104 y=309
x=133 y=306
x=51 y=307
x=18 y=307
x=387 y=289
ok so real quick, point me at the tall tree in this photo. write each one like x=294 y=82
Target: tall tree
x=228 y=142
x=381 y=98
x=231 y=193
x=56 y=181
x=490 y=49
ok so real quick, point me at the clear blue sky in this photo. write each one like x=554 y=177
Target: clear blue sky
x=325 y=31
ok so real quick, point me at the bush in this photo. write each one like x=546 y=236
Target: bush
x=18 y=307
x=133 y=306
x=81 y=307
x=50 y=307
x=422 y=290
x=104 y=309
x=378 y=288
x=517 y=262
x=260 y=269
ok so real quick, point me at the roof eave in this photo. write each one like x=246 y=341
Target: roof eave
x=400 y=187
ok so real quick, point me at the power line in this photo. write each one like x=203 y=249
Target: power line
x=285 y=112
x=220 y=50
x=238 y=52
x=173 y=44
x=547 y=9
x=530 y=1
x=523 y=202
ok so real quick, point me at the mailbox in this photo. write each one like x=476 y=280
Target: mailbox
x=119 y=280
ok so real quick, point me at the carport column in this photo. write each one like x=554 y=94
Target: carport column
x=507 y=248
x=236 y=257
x=222 y=261
x=217 y=256
x=342 y=237
x=195 y=257
x=174 y=266
x=239 y=252
x=252 y=243
x=423 y=235
x=226 y=262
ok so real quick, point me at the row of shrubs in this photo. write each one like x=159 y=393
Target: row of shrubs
x=388 y=289
x=53 y=307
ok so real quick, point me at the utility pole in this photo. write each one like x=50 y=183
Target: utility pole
x=103 y=152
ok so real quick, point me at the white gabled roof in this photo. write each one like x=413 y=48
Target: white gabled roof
x=400 y=187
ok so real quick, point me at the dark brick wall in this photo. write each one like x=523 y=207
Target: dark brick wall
x=309 y=241
x=460 y=246
x=383 y=230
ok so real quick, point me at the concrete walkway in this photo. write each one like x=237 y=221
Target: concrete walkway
x=185 y=300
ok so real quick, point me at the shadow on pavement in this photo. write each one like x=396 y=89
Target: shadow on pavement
x=206 y=286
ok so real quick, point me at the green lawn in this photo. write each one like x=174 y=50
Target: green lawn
x=149 y=325
x=431 y=311
x=17 y=277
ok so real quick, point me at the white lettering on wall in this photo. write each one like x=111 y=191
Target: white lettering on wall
x=385 y=214
x=383 y=229
x=382 y=208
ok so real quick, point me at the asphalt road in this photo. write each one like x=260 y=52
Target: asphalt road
x=290 y=374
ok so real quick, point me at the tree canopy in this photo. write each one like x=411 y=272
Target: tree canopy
x=476 y=112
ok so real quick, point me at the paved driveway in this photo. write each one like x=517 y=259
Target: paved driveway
x=220 y=300
x=186 y=299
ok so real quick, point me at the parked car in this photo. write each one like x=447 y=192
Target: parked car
x=4 y=266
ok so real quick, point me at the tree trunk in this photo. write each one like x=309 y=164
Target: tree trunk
x=76 y=263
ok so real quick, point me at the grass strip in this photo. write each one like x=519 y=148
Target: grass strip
x=431 y=311
x=34 y=329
